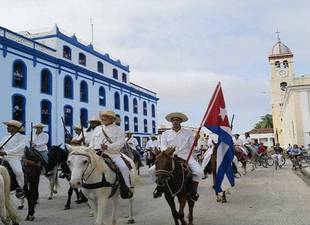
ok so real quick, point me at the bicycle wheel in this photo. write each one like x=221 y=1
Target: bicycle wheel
x=270 y=161
x=283 y=160
x=264 y=163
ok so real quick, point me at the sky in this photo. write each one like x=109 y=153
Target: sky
x=182 y=48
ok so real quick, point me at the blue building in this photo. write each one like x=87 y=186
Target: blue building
x=49 y=75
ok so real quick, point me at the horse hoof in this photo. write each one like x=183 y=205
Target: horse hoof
x=15 y=223
x=20 y=207
x=29 y=218
x=50 y=198
x=132 y=221
x=67 y=207
x=55 y=191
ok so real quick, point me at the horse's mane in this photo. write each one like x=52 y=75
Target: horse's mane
x=94 y=158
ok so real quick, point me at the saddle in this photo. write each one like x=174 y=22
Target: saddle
x=183 y=163
x=111 y=164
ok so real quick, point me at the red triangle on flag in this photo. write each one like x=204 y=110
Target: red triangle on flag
x=216 y=114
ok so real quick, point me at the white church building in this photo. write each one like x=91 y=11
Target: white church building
x=49 y=75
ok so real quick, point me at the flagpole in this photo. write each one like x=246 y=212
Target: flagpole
x=203 y=121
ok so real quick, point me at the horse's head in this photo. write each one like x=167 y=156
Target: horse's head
x=80 y=160
x=164 y=166
x=57 y=155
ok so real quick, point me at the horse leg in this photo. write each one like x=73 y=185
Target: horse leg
x=131 y=219
x=100 y=210
x=190 y=209
x=182 y=202
x=224 y=200
x=244 y=167
x=32 y=196
x=68 y=203
x=174 y=212
x=115 y=203
x=3 y=213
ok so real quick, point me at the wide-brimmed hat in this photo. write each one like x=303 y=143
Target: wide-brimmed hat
x=14 y=123
x=77 y=127
x=39 y=125
x=182 y=116
x=94 y=119
x=109 y=113
x=129 y=132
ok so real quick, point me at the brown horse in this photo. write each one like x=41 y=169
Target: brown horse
x=173 y=179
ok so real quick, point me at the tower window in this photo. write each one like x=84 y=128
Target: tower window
x=115 y=74
x=285 y=64
x=66 y=52
x=82 y=59
x=283 y=86
x=277 y=64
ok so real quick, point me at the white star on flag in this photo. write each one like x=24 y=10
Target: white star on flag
x=223 y=113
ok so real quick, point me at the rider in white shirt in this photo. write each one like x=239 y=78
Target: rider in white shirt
x=13 y=151
x=133 y=144
x=88 y=132
x=40 y=140
x=109 y=138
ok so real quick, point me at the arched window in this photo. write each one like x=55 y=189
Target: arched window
x=68 y=87
x=118 y=120
x=285 y=64
x=46 y=82
x=66 y=53
x=19 y=74
x=19 y=108
x=135 y=105
x=46 y=112
x=124 y=77
x=154 y=127
x=83 y=91
x=102 y=96
x=84 y=117
x=46 y=118
x=145 y=125
x=136 y=125
x=68 y=115
x=115 y=74
x=153 y=110
x=144 y=108
x=100 y=67
x=277 y=64
x=283 y=86
x=126 y=120
x=82 y=59
x=126 y=103
x=117 y=101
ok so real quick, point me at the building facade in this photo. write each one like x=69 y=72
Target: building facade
x=290 y=98
x=49 y=75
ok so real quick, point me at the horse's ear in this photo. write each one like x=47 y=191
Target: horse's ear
x=170 y=151
x=69 y=147
x=58 y=146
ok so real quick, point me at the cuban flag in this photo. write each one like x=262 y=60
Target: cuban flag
x=216 y=120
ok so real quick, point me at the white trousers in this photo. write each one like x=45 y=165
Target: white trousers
x=122 y=167
x=16 y=166
x=193 y=165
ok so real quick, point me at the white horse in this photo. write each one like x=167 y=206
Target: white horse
x=88 y=168
x=8 y=214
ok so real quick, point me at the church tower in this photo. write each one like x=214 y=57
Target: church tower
x=282 y=75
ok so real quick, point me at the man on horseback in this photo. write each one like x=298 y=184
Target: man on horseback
x=182 y=140
x=108 y=139
x=13 y=151
x=39 y=143
x=88 y=133
x=133 y=143
x=151 y=148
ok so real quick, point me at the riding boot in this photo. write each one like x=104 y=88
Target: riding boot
x=126 y=193
x=193 y=191
x=157 y=193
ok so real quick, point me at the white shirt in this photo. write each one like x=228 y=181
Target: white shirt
x=114 y=132
x=88 y=135
x=132 y=142
x=77 y=137
x=150 y=144
x=238 y=142
x=40 y=141
x=16 y=146
x=181 y=140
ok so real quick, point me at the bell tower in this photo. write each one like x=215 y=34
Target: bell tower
x=282 y=74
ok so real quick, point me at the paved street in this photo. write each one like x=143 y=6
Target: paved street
x=263 y=197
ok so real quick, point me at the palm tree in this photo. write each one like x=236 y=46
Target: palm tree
x=266 y=122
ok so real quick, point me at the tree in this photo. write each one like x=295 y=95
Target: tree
x=265 y=122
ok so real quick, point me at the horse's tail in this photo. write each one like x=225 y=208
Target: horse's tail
x=7 y=188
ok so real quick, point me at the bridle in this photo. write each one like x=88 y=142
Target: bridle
x=168 y=173
x=88 y=164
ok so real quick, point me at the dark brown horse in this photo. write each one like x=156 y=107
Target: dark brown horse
x=174 y=179
x=32 y=169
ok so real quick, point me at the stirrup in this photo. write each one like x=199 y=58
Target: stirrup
x=19 y=193
x=194 y=196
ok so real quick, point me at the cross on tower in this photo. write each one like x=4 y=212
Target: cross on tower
x=278 y=35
